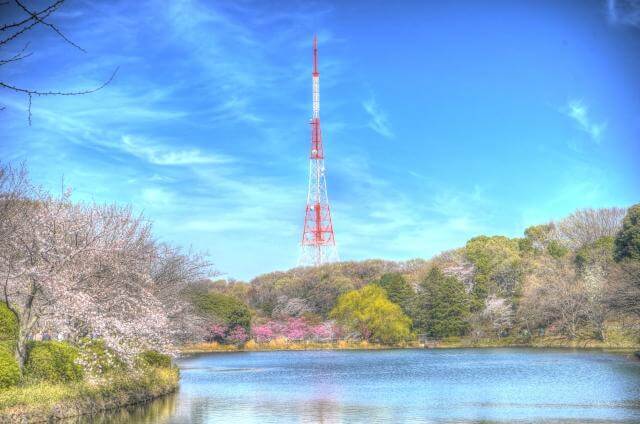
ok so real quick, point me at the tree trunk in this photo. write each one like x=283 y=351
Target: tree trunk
x=21 y=348
x=26 y=322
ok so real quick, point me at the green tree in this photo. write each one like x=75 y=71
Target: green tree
x=398 y=290
x=442 y=305
x=219 y=307
x=627 y=243
x=370 y=312
x=498 y=266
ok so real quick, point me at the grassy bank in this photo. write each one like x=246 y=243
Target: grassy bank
x=280 y=344
x=451 y=342
x=46 y=402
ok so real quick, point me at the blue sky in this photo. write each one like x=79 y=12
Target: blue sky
x=441 y=120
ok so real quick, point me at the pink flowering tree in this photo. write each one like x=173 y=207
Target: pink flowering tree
x=296 y=329
x=238 y=335
x=217 y=332
x=262 y=333
x=86 y=269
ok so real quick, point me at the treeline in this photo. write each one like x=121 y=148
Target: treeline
x=578 y=278
x=82 y=272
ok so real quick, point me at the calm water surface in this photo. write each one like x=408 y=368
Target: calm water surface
x=460 y=385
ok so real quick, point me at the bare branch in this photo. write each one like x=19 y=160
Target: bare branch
x=59 y=93
x=17 y=56
x=31 y=93
x=47 y=10
x=53 y=27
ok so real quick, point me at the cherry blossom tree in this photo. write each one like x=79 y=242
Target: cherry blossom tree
x=88 y=270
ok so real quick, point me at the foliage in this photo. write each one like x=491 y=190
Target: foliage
x=597 y=253
x=320 y=287
x=9 y=370
x=295 y=329
x=124 y=388
x=97 y=359
x=84 y=269
x=498 y=266
x=398 y=290
x=627 y=241
x=442 y=306
x=222 y=309
x=8 y=324
x=372 y=315
x=53 y=361
x=154 y=359
x=556 y=250
x=238 y=335
x=217 y=332
x=539 y=236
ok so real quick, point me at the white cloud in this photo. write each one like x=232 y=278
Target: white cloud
x=579 y=112
x=378 y=119
x=162 y=155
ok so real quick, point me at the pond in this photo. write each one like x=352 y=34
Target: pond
x=453 y=385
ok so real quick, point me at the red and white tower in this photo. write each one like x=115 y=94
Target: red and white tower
x=318 y=239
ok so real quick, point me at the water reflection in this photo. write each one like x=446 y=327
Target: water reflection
x=158 y=411
x=473 y=386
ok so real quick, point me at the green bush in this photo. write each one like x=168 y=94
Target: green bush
x=53 y=361
x=8 y=324
x=151 y=358
x=556 y=250
x=97 y=358
x=9 y=370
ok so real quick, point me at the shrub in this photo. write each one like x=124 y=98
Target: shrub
x=556 y=250
x=97 y=358
x=154 y=359
x=9 y=370
x=8 y=324
x=53 y=361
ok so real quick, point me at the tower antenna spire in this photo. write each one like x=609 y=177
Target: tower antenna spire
x=318 y=239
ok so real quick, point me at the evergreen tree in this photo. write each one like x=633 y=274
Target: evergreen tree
x=442 y=306
x=627 y=243
x=398 y=290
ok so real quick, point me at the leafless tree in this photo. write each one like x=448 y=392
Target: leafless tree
x=13 y=32
x=585 y=226
x=554 y=297
x=624 y=294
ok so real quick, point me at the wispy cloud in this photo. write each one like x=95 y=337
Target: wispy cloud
x=579 y=112
x=624 y=12
x=159 y=154
x=378 y=118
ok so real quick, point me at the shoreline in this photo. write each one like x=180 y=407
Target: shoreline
x=547 y=343
x=89 y=399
